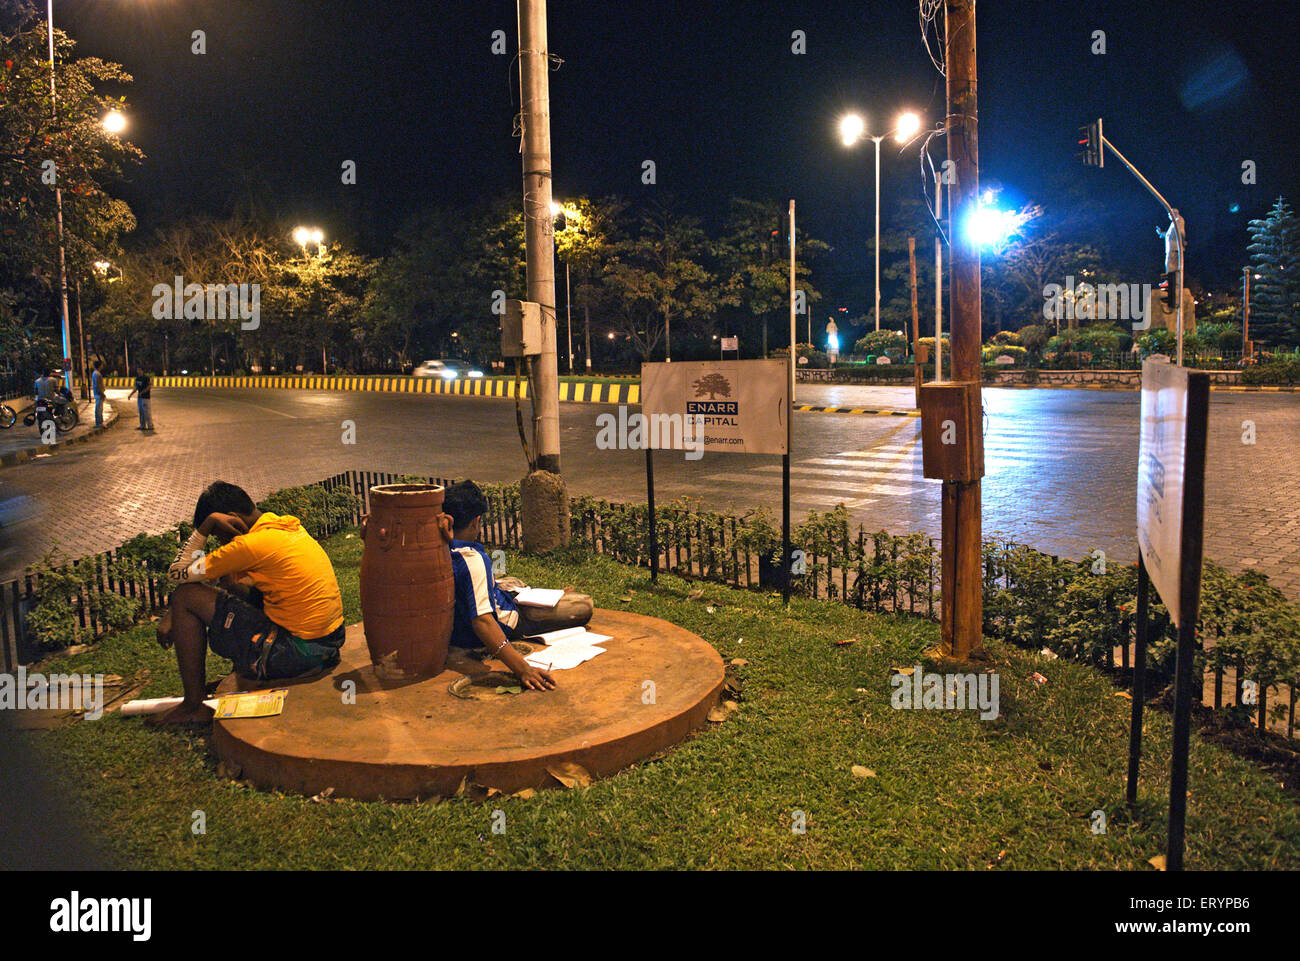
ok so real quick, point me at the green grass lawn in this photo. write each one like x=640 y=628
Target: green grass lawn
x=950 y=791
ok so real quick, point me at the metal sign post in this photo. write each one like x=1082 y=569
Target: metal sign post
x=1170 y=529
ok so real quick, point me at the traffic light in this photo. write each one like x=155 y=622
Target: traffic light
x=1090 y=139
x=1170 y=289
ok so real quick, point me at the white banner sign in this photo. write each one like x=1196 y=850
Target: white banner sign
x=731 y=343
x=1162 y=467
x=739 y=405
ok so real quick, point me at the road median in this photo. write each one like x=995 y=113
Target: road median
x=579 y=391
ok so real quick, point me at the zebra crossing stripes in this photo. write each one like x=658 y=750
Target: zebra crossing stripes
x=894 y=468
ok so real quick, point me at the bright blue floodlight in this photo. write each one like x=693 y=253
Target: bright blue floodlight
x=989 y=227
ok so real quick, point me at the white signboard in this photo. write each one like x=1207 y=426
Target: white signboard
x=731 y=343
x=1162 y=476
x=739 y=405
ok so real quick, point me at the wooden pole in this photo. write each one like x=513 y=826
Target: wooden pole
x=963 y=583
x=916 y=323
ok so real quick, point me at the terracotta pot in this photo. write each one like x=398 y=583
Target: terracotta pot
x=407 y=586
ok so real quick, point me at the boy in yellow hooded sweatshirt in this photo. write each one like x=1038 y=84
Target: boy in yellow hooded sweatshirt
x=277 y=612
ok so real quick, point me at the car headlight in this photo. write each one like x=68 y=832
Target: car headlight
x=476 y=373
x=449 y=375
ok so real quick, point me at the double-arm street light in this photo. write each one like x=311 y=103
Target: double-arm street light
x=306 y=236
x=303 y=237
x=852 y=129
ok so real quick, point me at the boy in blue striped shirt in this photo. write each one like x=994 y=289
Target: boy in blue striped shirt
x=485 y=614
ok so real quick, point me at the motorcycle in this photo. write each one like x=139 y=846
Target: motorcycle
x=61 y=409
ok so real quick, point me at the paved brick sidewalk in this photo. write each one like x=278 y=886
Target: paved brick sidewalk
x=21 y=443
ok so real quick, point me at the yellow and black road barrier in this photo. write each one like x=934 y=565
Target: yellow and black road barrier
x=579 y=392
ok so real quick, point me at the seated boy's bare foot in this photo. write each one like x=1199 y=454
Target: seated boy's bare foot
x=182 y=714
x=164 y=628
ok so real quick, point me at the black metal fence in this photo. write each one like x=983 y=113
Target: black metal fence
x=872 y=571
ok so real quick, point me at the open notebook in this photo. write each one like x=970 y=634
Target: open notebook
x=566 y=649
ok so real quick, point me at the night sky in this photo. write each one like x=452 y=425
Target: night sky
x=710 y=91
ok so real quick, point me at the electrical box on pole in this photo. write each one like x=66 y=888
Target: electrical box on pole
x=521 y=329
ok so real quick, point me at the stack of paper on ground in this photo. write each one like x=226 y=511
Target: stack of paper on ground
x=566 y=649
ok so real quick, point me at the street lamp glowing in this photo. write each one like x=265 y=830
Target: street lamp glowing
x=567 y=211
x=908 y=125
x=852 y=128
x=114 y=121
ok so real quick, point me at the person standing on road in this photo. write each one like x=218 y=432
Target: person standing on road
x=143 y=385
x=97 y=392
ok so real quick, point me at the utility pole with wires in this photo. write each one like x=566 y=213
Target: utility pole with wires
x=544 y=498
x=951 y=412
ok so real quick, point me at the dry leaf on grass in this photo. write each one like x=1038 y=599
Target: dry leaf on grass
x=695 y=595
x=625 y=600
x=730 y=706
x=1038 y=678
x=1157 y=862
x=323 y=796
x=525 y=794
x=717 y=715
x=1124 y=694
x=738 y=662
x=905 y=671
x=570 y=774
x=846 y=642
x=859 y=771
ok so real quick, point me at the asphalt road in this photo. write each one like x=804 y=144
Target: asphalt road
x=1061 y=466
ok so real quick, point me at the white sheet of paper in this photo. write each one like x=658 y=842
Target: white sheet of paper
x=157 y=705
x=572 y=637
x=556 y=637
x=562 y=658
x=539 y=596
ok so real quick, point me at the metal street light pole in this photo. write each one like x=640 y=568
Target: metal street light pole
x=568 y=308
x=938 y=280
x=1245 y=318
x=877 y=141
x=852 y=129
x=58 y=205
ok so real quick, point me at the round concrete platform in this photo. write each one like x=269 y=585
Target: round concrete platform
x=415 y=739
